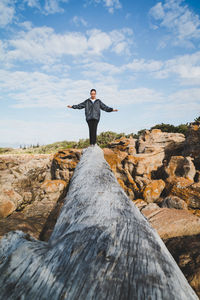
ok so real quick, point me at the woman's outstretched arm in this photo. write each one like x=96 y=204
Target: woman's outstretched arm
x=77 y=106
x=106 y=108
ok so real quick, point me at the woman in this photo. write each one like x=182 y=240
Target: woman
x=92 y=113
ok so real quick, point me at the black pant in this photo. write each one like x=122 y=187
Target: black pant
x=92 y=123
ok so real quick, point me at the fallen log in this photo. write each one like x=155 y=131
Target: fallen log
x=101 y=247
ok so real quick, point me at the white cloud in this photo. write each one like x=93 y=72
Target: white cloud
x=33 y=3
x=122 y=39
x=7 y=12
x=44 y=46
x=53 y=6
x=157 y=11
x=78 y=21
x=185 y=67
x=179 y=20
x=8 y=8
x=138 y=65
x=183 y=104
x=98 y=41
x=37 y=89
x=49 y=6
x=111 y=5
x=186 y=97
x=128 y=15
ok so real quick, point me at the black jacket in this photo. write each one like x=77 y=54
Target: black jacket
x=92 y=108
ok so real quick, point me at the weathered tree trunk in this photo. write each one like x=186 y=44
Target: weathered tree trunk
x=102 y=247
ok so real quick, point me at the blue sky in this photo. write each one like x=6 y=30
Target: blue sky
x=142 y=57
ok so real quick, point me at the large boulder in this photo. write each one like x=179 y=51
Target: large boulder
x=173 y=202
x=38 y=217
x=64 y=163
x=153 y=190
x=171 y=222
x=185 y=250
x=150 y=141
x=124 y=144
x=180 y=166
x=192 y=143
x=30 y=194
x=21 y=178
x=185 y=189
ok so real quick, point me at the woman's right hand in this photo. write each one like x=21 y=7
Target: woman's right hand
x=69 y=106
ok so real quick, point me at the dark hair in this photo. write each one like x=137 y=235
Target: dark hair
x=93 y=90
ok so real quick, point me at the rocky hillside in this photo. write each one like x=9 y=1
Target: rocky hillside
x=160 y=172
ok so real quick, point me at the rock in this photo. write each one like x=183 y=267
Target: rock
x=155 y=139
x=150 y=207
x=140 y=203
x=180 y=166
x=51 y=192
x=18 y=221
x=6 y=207
x=53 y=186
x=173 y=202
x=39 y=217
x=171 y=222
x=197 y=176
x=115 y=158
x=185 y=250
x=142 y=182
x=64 y=163
x=121 y=165
x=185 y=189
x=153 y=190
x=146 y=164
x=21 y=177
x=153 y=148
x=26 y=187
x=124 y=144
x=10 y=195
x=27 y=197
x=192 y=143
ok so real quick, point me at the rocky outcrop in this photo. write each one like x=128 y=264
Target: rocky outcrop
x=185 y=189
x=171 y=222
x=180 y=166
x=101 y=247
x=192 y=143
x=159 y=172
x=185 y=250
x=64 y=163
x=153 y=190
x=32 y=190
x=170 y=143
x=173 y=202
x=20 y=180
